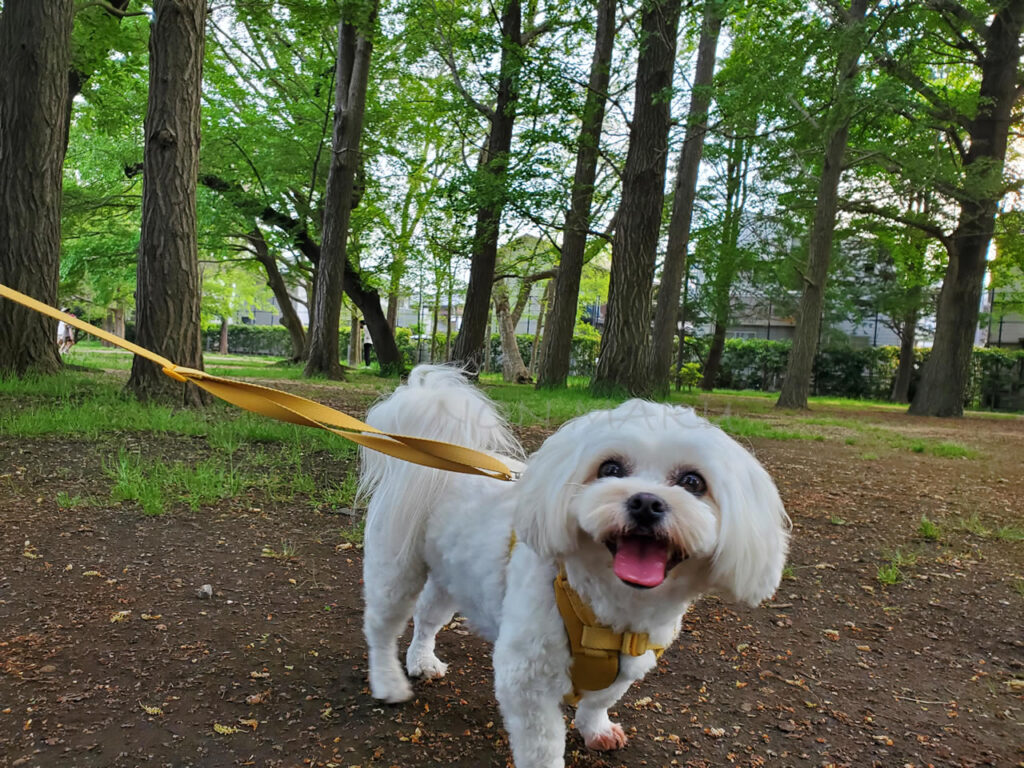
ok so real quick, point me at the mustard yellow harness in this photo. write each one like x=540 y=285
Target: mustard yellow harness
x=595 y=648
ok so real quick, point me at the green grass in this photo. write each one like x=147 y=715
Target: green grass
x=892 y=572
x=739 y=426
x=288 y=551
x=1009 y=533
x=355 y=533
x=889 y=574
x=928 y=530
x=156 y=485
x=973 y=525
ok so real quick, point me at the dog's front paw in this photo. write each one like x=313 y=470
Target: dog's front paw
x=613 y=738
x=427 y=667
x=391 y=688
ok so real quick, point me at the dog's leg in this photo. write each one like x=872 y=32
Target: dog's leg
x=592 y=720
x=531 y=661
x=391 y=587
x=434 y=609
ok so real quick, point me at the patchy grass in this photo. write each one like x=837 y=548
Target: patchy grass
x=288 y=551
x=156 y=485
x=889 y=574
x=738 y=426
x=928 y=530
x=893 y=572
x=1009 y=533
x=355 y=533
x=944 y=449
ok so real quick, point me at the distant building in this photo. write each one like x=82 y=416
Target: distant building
x=1005 y=326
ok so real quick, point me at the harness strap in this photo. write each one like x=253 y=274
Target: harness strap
x=595 y=647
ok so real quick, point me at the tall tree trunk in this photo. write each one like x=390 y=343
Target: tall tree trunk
x=945 y=376
x=168 y=287
x=797 y=384
x=623 y=363
x=556 y=347
x=905 y=369
x=35 y=44
x=667 y=311
x=289 y=317
x=354 y=48
x=470 y=343
x=714 y=361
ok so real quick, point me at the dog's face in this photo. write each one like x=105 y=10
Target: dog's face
x=654 y=486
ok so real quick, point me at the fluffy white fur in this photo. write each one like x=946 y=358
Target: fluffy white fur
x=438 y=542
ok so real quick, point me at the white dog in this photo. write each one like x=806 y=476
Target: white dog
x=642 y=509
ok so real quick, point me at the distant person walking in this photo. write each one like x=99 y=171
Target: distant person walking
x=367 y=342
x=65 y=335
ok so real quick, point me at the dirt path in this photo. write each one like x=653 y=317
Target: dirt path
x=109 y=658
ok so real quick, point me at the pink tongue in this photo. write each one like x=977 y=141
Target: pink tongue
x=641 y=560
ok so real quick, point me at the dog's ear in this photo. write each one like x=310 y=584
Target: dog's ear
x=753 y=536
x=544 y=494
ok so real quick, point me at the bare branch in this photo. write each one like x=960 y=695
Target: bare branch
x=855 y=206
x=106 y=6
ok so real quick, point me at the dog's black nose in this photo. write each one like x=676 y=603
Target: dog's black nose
x=646 y=508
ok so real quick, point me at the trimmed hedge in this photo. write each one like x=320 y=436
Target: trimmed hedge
x=996 y=378
x=582 y=357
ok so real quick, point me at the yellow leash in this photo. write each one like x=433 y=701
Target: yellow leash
x=294 y=409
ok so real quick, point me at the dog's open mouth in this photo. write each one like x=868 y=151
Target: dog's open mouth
x=643 y=560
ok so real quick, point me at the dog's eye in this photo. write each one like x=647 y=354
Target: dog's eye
x=611 y=468
x=692 y=482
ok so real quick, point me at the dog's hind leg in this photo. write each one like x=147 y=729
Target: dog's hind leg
x=390 y=586
x=434 y=609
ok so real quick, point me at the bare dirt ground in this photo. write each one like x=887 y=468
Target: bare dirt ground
x=109 y=658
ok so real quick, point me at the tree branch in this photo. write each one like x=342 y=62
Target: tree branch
x=933 y=230
x=106 y=6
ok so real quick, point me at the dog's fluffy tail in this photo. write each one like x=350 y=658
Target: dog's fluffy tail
x=439 y=403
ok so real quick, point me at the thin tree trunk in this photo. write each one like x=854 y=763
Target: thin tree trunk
x=537 y=352
x=354 y=48
x=714 y=361
x=355 y=342
x=448 y=319
x=35 y=45
x=223 y=347
x=513 y=369
x=289 y=317
x=433 y=327
x=556 y=348
x=167 y=318
x=946 y=373
x=470 y=343
x=797 y=384
x=905 y=369
x=623 y=364
x=667 y=310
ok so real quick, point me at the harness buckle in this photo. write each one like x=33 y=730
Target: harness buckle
x=634 y=643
